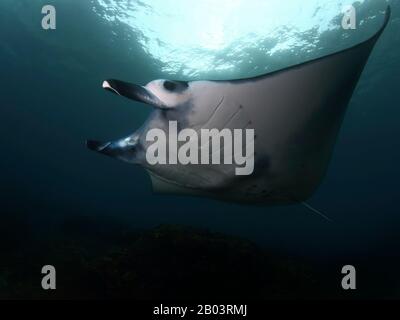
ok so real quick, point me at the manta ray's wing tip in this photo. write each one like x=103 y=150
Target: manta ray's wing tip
x=388 y=13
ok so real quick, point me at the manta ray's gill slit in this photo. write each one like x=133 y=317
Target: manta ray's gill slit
x=198 y=127
x=213 y=113
x=238 y=110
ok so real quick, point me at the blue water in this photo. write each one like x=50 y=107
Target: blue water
x=52 y=101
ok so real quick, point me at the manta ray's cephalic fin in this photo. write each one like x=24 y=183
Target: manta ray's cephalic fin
x=133 y=92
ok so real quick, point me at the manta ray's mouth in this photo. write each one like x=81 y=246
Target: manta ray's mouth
x=132 y=91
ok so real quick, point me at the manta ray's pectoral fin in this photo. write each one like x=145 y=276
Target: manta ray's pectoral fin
x=122 y=149
x=133 y=92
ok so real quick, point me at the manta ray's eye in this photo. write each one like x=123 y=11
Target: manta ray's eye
x=169 y=85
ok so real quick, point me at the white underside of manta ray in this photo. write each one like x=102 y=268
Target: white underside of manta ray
x=296 y=114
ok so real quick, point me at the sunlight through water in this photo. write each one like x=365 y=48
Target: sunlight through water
x=193 y=37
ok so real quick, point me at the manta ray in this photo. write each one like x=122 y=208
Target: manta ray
x=296 y=114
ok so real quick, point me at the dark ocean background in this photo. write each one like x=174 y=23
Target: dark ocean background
x=61 y=204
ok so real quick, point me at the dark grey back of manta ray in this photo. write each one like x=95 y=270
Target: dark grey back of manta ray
x=296 y=114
